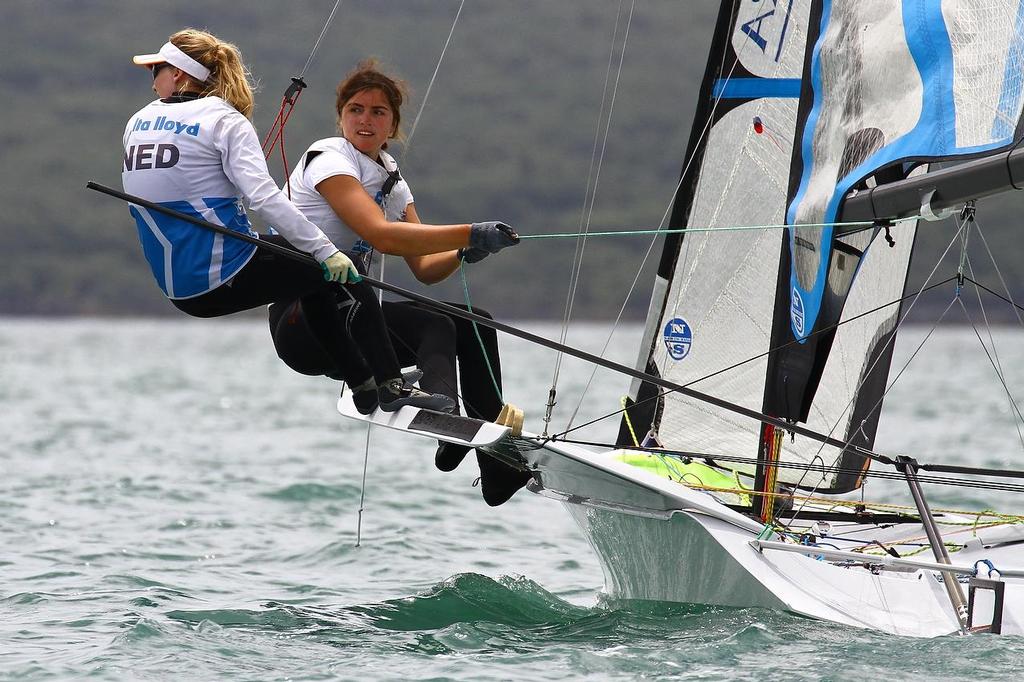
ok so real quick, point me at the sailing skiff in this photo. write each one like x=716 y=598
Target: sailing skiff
x=766 y=354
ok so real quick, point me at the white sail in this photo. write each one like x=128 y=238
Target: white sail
x=805 y=103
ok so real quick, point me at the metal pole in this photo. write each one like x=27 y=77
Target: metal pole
x=948 y=188
x=956 y=597
x=508 y=329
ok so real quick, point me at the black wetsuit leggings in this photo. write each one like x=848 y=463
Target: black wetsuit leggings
x=341 y=315
x=421 y=336
x=435 y=341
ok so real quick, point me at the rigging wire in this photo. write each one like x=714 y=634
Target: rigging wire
x=999 y=273
x=590 y=192
x=380 y=292
x=688 y=162
x=433 y=77
x=891 y=340
x=993 y=358
x=885 y=475
x=1017 y=308
x=685 y=230
x=323 y=32
x=362 y=488
x=994 y=361
x=288 y=102
x=665 y=392
x=684 y=251
x=997 y=365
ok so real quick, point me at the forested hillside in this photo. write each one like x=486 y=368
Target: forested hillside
x=508 y=133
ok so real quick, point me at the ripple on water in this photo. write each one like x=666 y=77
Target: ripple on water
x=309 y=492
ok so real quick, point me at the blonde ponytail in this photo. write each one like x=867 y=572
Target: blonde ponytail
x=229 y=79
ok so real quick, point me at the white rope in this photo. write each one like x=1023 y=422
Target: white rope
x=590 y=191
x=369 y=429
x=323 y=31
x=650 y=247
x=891 y=339
x=362 y=488
x=993 y=357
x=433 y=77
x=380 y=292
x=999 y=273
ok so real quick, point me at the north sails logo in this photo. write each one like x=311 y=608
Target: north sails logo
x=796 y=313
x=678 y=338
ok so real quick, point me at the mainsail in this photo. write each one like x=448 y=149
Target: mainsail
x=803 y=102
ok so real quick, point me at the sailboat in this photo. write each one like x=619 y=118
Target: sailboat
x=761 y=374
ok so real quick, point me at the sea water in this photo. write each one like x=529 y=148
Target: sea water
x=176 y=504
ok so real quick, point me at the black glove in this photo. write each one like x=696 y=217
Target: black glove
x=492 y=236
x=471 y=254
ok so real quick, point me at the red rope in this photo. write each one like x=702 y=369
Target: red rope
x=288 y=102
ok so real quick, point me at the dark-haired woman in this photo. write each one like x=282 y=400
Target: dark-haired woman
x=194 y=150
x=352 y=188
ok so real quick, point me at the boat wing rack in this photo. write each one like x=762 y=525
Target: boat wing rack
x=883 y=559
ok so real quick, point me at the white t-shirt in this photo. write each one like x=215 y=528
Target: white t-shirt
x=337 y=156
x=200 y=157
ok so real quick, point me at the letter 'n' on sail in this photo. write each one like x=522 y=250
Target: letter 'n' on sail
x=801 y=103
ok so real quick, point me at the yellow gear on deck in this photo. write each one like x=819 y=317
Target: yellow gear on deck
x=682 y=472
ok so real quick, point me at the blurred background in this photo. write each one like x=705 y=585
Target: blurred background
x=508 y=132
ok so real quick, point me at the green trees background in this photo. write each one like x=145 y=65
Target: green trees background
x=508 y=133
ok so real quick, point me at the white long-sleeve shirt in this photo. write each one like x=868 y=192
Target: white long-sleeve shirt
x=201 y=157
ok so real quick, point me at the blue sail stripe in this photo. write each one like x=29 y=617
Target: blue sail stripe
x=756 y=88
x=825 y=235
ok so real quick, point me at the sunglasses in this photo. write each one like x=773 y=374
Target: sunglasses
x=155 y=69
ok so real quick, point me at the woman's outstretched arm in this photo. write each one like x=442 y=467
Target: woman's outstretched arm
x=434 y=267
x=353 y=205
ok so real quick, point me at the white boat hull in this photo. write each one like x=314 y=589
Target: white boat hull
x=657 y=539
x=688 y=548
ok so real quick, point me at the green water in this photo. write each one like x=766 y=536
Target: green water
x=176 y=505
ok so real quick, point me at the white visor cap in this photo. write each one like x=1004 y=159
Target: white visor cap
x=172 y=55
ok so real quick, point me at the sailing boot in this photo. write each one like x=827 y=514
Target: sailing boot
x=364 y=396
x=449 y=456
x=499 y=481
x=395 y=394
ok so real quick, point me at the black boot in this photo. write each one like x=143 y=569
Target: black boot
x=365 y=400
x=499 y=481
x=395 y=394
x=449 y=456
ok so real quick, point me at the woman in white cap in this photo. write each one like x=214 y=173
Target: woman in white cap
x=194 y=150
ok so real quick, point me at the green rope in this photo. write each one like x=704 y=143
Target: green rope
x=476 y=330
x=624 y=233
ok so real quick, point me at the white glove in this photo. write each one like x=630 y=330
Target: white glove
x=338 y=268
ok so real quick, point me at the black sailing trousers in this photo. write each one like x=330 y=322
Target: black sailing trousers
x=421 y=336
x=342 y=315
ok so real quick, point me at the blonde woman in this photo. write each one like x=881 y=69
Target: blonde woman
x=195 y=150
